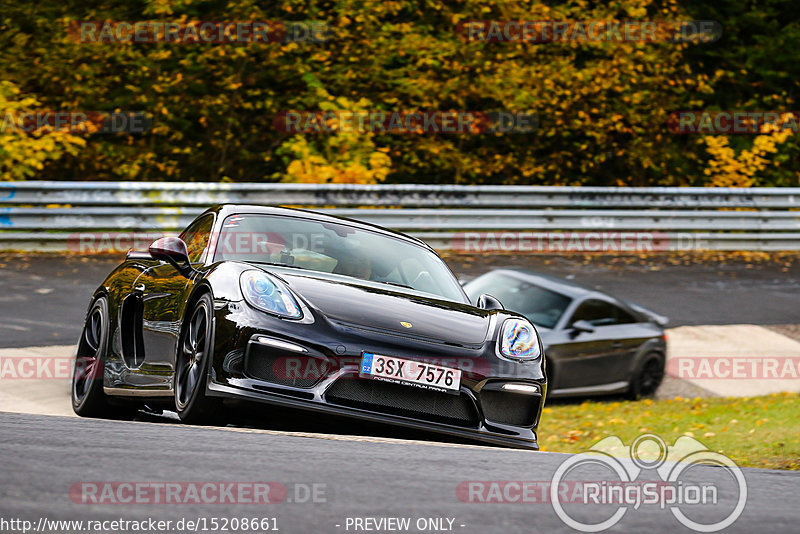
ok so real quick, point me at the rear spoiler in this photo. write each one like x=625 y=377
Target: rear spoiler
x=660 y=320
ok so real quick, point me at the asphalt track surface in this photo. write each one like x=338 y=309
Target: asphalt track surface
x=43 y=298
x=365 y=471
x=43 y=457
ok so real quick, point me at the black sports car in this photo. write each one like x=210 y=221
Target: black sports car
x=595 y=343
x=305 y=310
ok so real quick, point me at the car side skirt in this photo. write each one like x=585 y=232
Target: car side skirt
x=601 y=389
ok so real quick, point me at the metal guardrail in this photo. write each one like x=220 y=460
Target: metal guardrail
x=47 y=215
x=149 y=219
x=405 y=195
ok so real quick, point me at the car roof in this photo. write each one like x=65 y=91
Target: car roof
x=559 y=285
x=579 y=292
x=224 y=210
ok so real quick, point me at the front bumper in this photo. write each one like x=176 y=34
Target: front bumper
x=320 y=373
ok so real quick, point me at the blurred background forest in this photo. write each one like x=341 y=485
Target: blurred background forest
x=602 y=106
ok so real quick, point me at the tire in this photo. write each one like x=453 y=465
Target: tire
x=88 y=399
x=194 y=353
x=647 y=377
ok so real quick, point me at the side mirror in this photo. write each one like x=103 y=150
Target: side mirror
x=173 y=251
x=488 y=302
x=582 y=326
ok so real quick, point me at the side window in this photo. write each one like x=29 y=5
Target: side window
x=601 y=313
x=196 y=237
x=624 y=317
x=413 y=271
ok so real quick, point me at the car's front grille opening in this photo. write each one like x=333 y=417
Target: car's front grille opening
x=407 y=401
x=284 y=367
x=510 y=408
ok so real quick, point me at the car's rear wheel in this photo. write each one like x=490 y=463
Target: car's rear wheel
x=88 y=399
x=647 y=377
x=191 y=366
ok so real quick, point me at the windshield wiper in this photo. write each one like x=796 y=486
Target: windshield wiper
x=278 y=264
x=394 y=284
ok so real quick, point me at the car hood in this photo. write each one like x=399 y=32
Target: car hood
x=385 y=309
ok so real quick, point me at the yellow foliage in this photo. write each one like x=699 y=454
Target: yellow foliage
x=726 y=168
x=24 y=153
x=341 y=157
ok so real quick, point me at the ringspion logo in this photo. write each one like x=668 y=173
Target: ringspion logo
x=605 y=501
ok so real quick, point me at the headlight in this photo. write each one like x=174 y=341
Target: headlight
x=267 y=293
x=518 y=340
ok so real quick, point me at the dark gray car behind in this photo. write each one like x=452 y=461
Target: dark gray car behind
x=594 y=343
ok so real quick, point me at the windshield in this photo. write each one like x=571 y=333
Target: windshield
x=335 y=248
x=541 y=306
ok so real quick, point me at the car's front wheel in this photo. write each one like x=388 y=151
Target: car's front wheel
x=88 y=399
x=191 y=364
x=647 y=377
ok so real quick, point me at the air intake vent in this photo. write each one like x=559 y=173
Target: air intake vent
x=510 y=408
x=283 y=367
x=406 y=401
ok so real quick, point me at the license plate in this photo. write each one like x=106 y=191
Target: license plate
x=410 y=372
